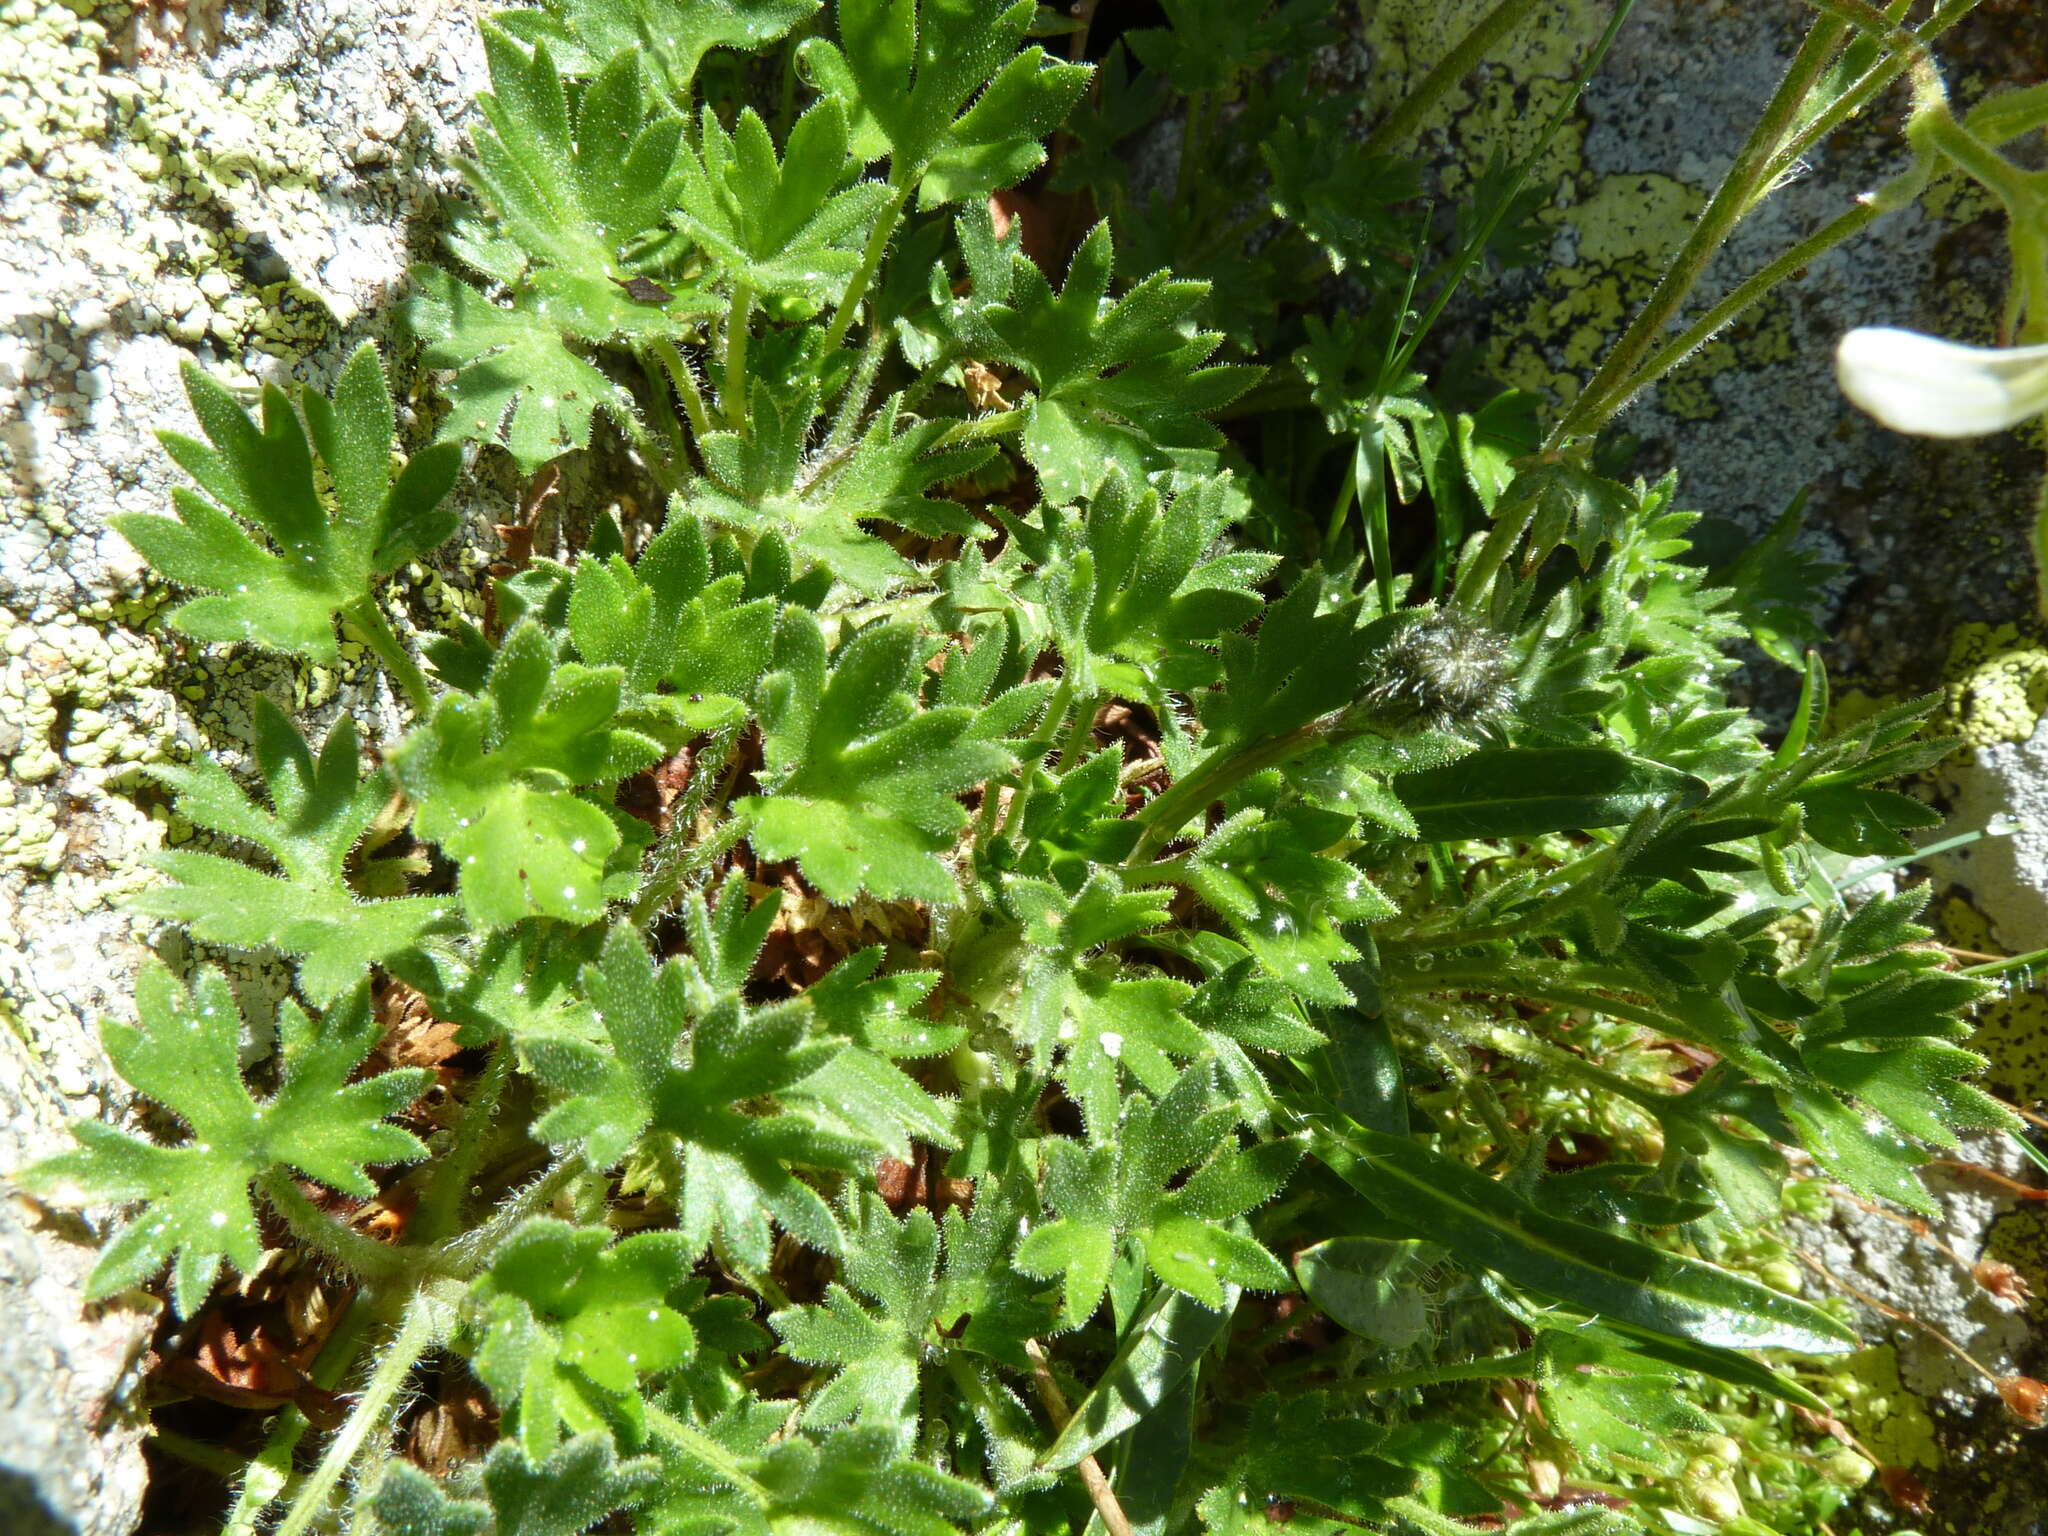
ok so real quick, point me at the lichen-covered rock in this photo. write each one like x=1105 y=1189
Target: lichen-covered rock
x=246 y=188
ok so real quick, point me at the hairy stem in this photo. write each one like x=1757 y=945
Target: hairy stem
x=1521 y=1363
x=1031 y=755
x=734 y=396
x=472 y=1251
x=864 y=274
x=1222 y=771
x=1465 y=56
x=1857 y=96
x=416 y=1334
x=270 y=1470
x=342 y=1246
x=441 y=1204
x=1468 y=257
x=1597 y=413
x=1710 y=231
x=684 y=377
x=367 y=620
x=853 y=405
x=995 y=424
x=1082 y=730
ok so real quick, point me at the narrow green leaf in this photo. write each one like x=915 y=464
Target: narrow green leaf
x=1527 y=791
x=1486 y=1226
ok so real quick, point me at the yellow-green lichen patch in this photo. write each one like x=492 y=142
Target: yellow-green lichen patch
x=2012 y=1030
x=1407 y=40
x=84 y=711
x=1619 y=232
x=1996 y=686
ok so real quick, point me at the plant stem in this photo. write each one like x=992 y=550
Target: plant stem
x=367 y=620
x=1222 y=771
x=1853 y=100
x=2027 y=961
x=1080 y=732
x=1463 y=58
x=1347 y=491
x=677 y=855
x=995 y=424
x=667 y=877
x=733 y=399
x=1093 y=1478
x=271 y=1468
x=221 y=1463
x=1474 y=247
x=1538 y=990
x=853 y=404
x=663 y=409
x=684 y=377
x=345 y=1248
x=1032 y=754
x=870 y=263
x=417 y=1333
x=1543 y=1053
x=1597 y=413
x=441 y=1204
x=1711 y=230
x=471 y=1251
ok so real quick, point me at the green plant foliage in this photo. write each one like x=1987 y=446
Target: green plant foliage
x=495 y=774
x=779 y=226
x=861 y=779
x=327 y=552
x=1117 y=380
x=851 y=1481
x=671 y=36
x=1129 y=900
x=319 y=811
x=570 y=1325
x=731 y=1170
x=565 y=1495
x=906 y=68
x=1114 y=1188
x=185 y=1054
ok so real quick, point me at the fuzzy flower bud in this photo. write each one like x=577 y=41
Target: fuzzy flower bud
x=1708 y=1490
x=1936 y=388
x=1445 y=671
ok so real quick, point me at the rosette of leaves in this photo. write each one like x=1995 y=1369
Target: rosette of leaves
x=1000 y=977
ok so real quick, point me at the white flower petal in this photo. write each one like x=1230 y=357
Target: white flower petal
x=1935 y=388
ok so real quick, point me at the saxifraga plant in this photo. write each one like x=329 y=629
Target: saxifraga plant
x=994 y=972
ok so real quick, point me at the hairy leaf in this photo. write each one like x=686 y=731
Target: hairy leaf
x=325 y=551
x=185 y=1054
x=861 y=781
x=319 y=811
x=687 y=1069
